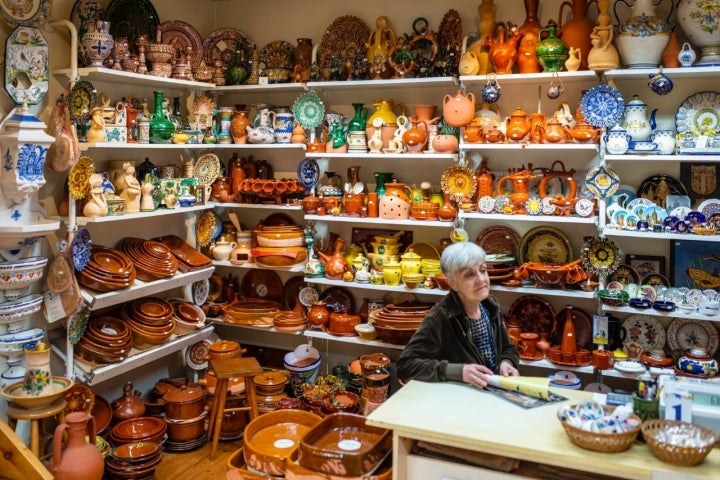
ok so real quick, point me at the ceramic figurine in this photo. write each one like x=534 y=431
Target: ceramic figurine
x=96 y=132
x=129 y=187
x=96 y=206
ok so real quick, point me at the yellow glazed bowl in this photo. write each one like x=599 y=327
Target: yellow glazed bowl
x=366 y=331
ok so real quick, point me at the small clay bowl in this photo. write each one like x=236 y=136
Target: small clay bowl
x=366 y=331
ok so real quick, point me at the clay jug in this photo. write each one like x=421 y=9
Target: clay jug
x=458 y=110
x=385 y=109
x=77 y=459
x=415 y=138
x=238 y=126
x=335 y=265
x=486 y=26
x=484 y=179
x=517 y=126
x=447 y=212
x=318 y=315
x=551 y=51
x=129 y=405
x=553 y=132
x=503 y=52
x=670 y=54
x=576 y=32
x=530 y=30
x=298 y=134
x=568 y=342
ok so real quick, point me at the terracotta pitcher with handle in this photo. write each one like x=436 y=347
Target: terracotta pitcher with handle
x=76 y=459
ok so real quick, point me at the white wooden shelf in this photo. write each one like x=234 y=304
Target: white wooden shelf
x=676 y=73
x=257 y=206
x=99 y=300
x=583 y=77
x=620 y=159
x=370 y=286
x=102 y=74
x=41 y=227
x=526 y=147
x=613 y=232
x=654 y=313
x=379 y=221
x=92 y=375
x=529 y=218
x=544 y=292
x=85 y=146
x=265 y=88
x=227 y=263
x=351 y=339
x=589 y=369
x=385 y=156
x=160 y=212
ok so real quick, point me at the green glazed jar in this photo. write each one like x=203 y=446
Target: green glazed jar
x=551 y=50
x=237 y=72
x=161 y=128
x=359 y=121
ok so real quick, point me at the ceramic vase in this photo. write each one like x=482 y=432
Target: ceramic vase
x=161 y=128
x=568 y=342
x=527 y=59
x=642 y=38
x=700 y=21
x=37 y=371
x=78 y=458
x=238 y=71
x=576 y=31
x=318 y=315
x=97 y=42
x=670 y=54
x=686 y=55
x=551 y=51
x=238 y=126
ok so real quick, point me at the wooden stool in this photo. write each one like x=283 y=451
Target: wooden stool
x=15 y=413
x=226 y=368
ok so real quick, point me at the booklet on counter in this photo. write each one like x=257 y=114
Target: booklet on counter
x=527 y=392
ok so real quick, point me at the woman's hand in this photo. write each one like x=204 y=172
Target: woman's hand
x=476 y=374
x=508 y=370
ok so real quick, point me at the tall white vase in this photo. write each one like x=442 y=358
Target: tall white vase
x=700 y=21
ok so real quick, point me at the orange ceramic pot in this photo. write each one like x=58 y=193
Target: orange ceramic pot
x=459 y=110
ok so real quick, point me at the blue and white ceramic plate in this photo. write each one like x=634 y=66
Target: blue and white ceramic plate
x=308 y=173
x=602 y=181
x=81 y=249
x=309 y=110
x=602 y=106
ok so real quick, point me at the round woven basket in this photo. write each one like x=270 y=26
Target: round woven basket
x=601 y=442
x=680 y=455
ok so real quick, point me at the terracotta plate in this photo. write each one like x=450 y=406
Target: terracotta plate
x=534 y=314
x=337 y=37
x=545 y=244
x=291 y=290
x=183 y=35
x=338 y=299
x=265 y=284
x=498 y=239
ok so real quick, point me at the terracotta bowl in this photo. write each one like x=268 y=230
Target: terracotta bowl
x=442 y=282
x=18 y=276
x=140 y=429
x=272 y=437
x=397 y=336
x=94 y=354
x=371 y=362
x=270 y=383
x=186 y=430
x=136 y=452
x=14 y=393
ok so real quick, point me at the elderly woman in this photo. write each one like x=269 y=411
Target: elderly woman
x=463 y=338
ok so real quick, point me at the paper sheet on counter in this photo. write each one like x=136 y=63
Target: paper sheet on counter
x=537 y=387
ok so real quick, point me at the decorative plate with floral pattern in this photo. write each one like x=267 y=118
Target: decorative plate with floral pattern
x=309 y=110
x=602 y=106
x=81 y=99
x=684 y=334
x=602 y=181
x=600 y=255
x=645 y=330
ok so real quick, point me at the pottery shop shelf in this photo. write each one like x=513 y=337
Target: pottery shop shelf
x=385 y=156
x=694 y=73
x=101 y=74
x=583 y=77
x=85 y=146
x=270 y=88
x=257 y=206
x=619 y=159
x=420 y=90
x=351 y=339
x=41 y=227
x=589 y=369
x=669 y=315
x=544 y=219
x=369 y=286
x=544 y=292
x=160 y=212
x=98 y=300
x=94 y=374
x=227 y=263
x=378 y=221
x=613 y=232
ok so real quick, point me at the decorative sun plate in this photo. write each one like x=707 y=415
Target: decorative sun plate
x=684 y=334
x=81 y=99
x=602 y=106
x=208 y=227
x=458 y=181
x=544 y=244
x=600 y=255
x=207 y=169
x=602 y=181
x=645 y=330
x=79 y=177
x=309 y=110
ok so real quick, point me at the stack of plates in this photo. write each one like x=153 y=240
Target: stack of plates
x=500 y=266
x=107 y=270
x=280 y=245
x=150 y=319
x=187 y=257
x=289 y=321
x=259 y=313
x=107 y=339
x=397 y=323
x=153 y=260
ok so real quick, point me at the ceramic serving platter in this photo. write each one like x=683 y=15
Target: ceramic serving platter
x=644 y=330
x=625 y=274
x=79 y=177
x=656 y=188
x=261 y=283
x=131 y=19
x=207 y=169
x=209 y=226
x=308 y=173
x=26 y=65
x=81 y=248
x=698 y=116
x=600 y=255
x=544 y=244
x=684 y=334
x=338 y=299
x=534 y=314
x=25 y=13
x=82 y=97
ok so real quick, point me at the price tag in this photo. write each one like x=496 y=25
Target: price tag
x=678 y=406
x=54 y=310
x=263 y=81
x=600 y=329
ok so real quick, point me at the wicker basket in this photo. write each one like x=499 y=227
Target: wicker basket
x=601 y=442
x=682 y=456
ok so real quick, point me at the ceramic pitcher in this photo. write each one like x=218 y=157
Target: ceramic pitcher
x=638 y=126
x=77 y=459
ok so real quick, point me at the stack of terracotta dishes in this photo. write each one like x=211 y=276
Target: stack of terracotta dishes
x=153 y=260
x=187 y=257
x=188 y=316
x=150 y=319
x=270 y=388
x=289 y=321
x=139 y=429
x=107 y=270
x=259 y=313
x=134 y=460
x=279 y=245
x=397 y=323
x=106 y=339
x=500 y=266
x=185 y=417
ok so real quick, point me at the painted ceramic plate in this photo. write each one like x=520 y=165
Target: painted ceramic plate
x=645 y=330
x=602 y=106
x=584 y=207
x=208 y=227
x=657 y=187
x=684 y=334
x=207 y=169
x=308 y=173
x=201 y=291
x=600 y=255
x=132 y=18
x=309 y=110
x=278 y=54
x=79 y=398
x=582 y=323
x=709 y=207
x=183 y=35
x=602 y=181
x=629 y=366
x=699 y=114
x=501 y=202
x=216 y=288
x=220 y=45
x=548 y=208
x=26 y=13
x=624 y=274
x=458 y=181
x=203 y=110
x=544 y=244
x=291 y=291
x=81 y=99
x=338 y=299
x=339 y=34
x=534 y=314
x=26 y=65
x=308 y=295
x=655 y=280
x=196 y=355
x=486 y=204
x=79 y=177
x=264 y=284
x=498 y=239
x=533 y=206
x=81 y=248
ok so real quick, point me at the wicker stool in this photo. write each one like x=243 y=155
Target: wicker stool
x=226 y=368
x=15 y=413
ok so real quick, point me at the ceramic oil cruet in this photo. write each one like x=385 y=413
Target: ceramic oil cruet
x=638 y=126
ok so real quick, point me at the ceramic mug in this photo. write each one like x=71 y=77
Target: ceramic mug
x=602 y=359
x=582 y=356
x=528 y=343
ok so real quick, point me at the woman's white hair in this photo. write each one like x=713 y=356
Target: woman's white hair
x=461 y=255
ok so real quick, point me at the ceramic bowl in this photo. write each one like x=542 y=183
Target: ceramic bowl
x=366 y=331
x=20 y=308
x=140 y=429
x=17 y=277
x=442 y=282
x=236 y=464
x=186 y=430
x=15 y=393
x=136 y=452
x=184 y=403
x=613 y=298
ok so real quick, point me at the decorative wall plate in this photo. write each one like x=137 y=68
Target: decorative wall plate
x=458 y=181
x=207 y=169
x=338 y=299
x=291 y=290
x=699 y=114
x=533 y=206
x=600 y=255
x=624 y=274
x=486 y=204
x=79 y=177
x=498 y=239
x=548 y=208
x=709 y=207
x=278 y=54
x=602 y=106
x=534 y=314
x=308 y=295
x=132 y=18
x=26 y=13
x=602 y=181
x=309 y=110
x=584 y=207
x=208 y=227
x=82 y=98
x=684 y=334
x=308 y=173
x=264 y=284
x=502 y=201
x=220 y=45
x=203 y=109
x=628 y=366
x=656 y=187
x=81 y=248
x=544 y=244
x=26 y=65
x=346 y=36
x=200 y=291
x=645 y=330
x=183 y=35
x=655 y=279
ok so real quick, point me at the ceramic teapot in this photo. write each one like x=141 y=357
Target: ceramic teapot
x=638 y=126
x=128 y=405
x=458 y=110
x=222 y=250
x=517 y=126
x=553 y=132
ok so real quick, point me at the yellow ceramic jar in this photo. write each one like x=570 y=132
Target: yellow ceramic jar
x=392 y=273
x=411 y=262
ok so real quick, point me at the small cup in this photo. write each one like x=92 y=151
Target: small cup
x=582 y=356
x=554 y=354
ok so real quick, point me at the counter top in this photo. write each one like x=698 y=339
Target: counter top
x=462 y=416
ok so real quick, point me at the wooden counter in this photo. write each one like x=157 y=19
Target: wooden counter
x=461 y=416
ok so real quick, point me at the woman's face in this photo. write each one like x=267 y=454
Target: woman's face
x=472 y=282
